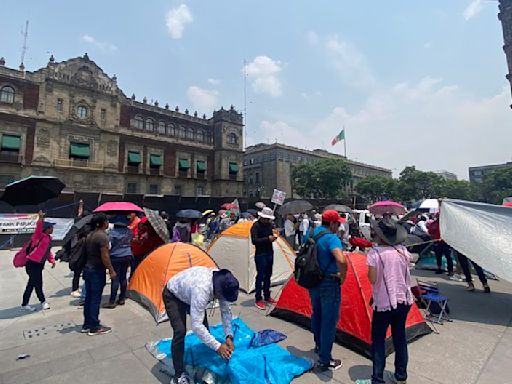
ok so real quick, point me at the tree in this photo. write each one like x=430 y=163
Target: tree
x=459 y=189
x=416 y=185
x=324 y=178
x=376 y=188
x=497 y=185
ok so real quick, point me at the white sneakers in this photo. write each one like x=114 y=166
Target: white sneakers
x=27 y=308
x=183 y=379
x=46 y=305
x=76 y=293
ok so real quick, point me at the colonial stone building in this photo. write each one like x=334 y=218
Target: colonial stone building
x=71 y=120
x=269 y=166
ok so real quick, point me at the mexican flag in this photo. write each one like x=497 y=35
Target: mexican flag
x=340 y=136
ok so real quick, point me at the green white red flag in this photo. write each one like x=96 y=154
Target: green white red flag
x=340 y=136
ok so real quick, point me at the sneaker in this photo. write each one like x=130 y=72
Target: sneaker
x=334 y=364
x=271 y=301
x=470 y=287
x=85 y=329
x=260 y=305
x=108 y=305
x=102 y=330
x=456 y=277
x=46 y=305
x=183 y=379
x=28 y=308
x=75 y=293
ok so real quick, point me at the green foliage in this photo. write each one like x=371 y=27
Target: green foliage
x=497 y=185
x=324 y=178
x=378 y=188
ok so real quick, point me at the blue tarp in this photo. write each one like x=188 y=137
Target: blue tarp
x=270 y=364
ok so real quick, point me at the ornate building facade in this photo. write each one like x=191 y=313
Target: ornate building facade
x=71 y=120
x=269 y=166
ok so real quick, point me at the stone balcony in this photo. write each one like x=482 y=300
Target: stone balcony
x=76 y=163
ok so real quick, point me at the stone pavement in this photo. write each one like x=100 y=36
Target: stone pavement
x=476 y=348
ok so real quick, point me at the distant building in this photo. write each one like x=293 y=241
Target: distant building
x=71 y=120
x=446 y=175
x=269 y=166
x=476 y=174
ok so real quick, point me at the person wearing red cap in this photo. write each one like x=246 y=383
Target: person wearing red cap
x=326 y=296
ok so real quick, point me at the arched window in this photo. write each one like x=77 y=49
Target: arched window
x=150 y=125
x=138 y=122
x=182 y=132
x=200 y=135
x=7 y=94
x=171 y=129
x=82 y=111
x=161 y=127
x=232 y=138
x=190 y=134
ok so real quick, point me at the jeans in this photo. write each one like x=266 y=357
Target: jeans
x=76 y=280
x=35 y=281
x=95 y=280
x=325 y=303
x=464 y=264
x=121 y=267
x=441 y=248
x=264 y=263
x=177 y=312
x=380 y=323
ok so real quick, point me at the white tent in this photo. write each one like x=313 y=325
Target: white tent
x=233 y=250
x=431 y=204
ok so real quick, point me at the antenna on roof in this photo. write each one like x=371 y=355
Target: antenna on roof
x=24 y=48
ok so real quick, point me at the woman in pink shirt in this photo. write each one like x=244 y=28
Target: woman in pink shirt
x=388 y=271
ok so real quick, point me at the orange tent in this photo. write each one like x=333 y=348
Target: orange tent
x=150 y=277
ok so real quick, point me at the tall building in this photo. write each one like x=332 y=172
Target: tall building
x=269 y=166
x=446 y=175
x=505 y=16
x=477 y=174
x=71 y=120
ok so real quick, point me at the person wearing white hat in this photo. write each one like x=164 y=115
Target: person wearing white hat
x=262 y=236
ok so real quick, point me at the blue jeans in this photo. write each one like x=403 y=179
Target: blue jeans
x=264 y=263
x=380 y=323
x=121 y=268
x=95 y=281
x=325 y=302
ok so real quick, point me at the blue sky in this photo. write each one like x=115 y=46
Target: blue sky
x=414 y=83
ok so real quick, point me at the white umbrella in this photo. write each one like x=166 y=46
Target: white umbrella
x=431 y=204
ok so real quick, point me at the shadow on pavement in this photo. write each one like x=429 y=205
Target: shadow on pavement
x=161 y=374
x=310 y=355
x=63 y=292
x=15 y=312
x=357 y=372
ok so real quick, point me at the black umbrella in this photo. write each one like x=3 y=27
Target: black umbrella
x=294 y=207
x=189 y=214
x=339 y=208
x=76 y=227
x=32 y=190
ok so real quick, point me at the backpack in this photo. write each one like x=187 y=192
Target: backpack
x=20 y=258
x=78 y=255
x=307 y=270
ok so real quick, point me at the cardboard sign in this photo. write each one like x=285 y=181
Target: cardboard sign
x=278 y=197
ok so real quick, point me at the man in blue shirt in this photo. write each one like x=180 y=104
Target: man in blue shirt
x=326 y=296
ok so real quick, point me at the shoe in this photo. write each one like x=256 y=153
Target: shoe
x=260 y=304
x=120 y=302
x=28 y=308
x=392 y=379
x=75 y=293
x=456 y=277
x=271 y=301
x=487 y=289
x=108 y=305
x=183 y=379
x=449 y=274
x=439 y=272
x=46 y=306
x=334 y=364
x=81 y=303
x=102 y=330
x=470 y=287
x=85 y=329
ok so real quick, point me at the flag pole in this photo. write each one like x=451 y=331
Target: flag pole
x=345 y=141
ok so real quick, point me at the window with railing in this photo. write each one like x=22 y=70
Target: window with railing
x=7 y=94
x=161 y=127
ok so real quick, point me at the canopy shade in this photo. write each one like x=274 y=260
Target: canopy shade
x=233 y=168
x=155 y=160
x=184 y=164
x=11 y=142
x=201 y=166
x=81 y=150
x=134 y=157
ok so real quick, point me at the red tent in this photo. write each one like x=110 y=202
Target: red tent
x=354 y=325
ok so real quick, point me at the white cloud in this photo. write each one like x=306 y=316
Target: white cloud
x=203 y=100
x=214 y=81
x=176 y=19
x=102 y=45
x=350 y=63
x=429 y=124
x=473 y=9
x=263 y=74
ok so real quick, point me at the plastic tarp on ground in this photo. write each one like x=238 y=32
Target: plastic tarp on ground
x=482 y=232
x=233 y=250
x=268 y=364
x=148 y=281
x=354 y=325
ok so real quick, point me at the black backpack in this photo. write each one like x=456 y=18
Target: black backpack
x=78 y=255
x=307 y=270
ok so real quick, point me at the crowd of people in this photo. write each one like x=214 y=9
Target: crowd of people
x=117 y=244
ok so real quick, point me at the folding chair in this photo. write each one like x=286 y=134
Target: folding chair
x=433 y=297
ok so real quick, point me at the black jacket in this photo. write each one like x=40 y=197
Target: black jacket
x=259 y=236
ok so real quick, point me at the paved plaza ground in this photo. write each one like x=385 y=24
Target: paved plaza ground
x=476 y=348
